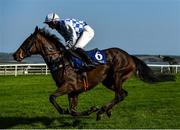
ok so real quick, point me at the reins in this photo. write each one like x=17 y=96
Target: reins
x=61 y=61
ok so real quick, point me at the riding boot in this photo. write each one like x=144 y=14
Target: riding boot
x=73 y=53
x=89 y=63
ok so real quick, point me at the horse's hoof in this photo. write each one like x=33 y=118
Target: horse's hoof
x=100 y=113
x=66 y=111
x=98 y=117
x=109 y=113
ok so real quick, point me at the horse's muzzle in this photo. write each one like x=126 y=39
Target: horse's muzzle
x=18 y=56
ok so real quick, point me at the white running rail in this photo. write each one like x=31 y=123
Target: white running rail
x=25 y=69
x=177 y=67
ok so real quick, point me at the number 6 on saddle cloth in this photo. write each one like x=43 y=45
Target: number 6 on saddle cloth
x=98 y=56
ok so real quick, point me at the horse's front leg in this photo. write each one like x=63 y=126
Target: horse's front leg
x=73 y=101
x=59 y=92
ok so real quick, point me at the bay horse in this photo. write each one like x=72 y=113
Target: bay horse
x=119 y=67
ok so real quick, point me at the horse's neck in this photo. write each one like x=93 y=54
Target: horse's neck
x=49 y=52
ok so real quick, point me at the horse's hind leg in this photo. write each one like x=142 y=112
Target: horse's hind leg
x=73 y=101
x=109 y=108
x=119 y=96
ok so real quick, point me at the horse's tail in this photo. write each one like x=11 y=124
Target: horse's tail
x=146 y=74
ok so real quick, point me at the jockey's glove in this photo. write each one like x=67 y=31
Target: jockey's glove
x=69 y=44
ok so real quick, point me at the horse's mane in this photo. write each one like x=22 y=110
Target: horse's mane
x=52 y=37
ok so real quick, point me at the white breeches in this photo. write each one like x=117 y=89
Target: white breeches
x=85 y=37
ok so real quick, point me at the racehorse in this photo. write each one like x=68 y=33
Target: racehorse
x=119 y=67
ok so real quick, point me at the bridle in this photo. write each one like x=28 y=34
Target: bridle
x=33 y=39
x=27 y=50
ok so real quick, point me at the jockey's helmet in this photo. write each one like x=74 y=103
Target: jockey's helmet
x=51 y=17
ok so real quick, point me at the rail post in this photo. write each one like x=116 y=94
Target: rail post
x=46 y=69
x=161 y=69
x=15 y=72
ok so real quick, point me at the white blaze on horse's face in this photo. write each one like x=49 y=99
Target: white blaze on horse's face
x=18 y=55
x=21 y=54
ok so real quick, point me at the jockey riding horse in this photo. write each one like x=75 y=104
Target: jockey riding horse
x=76 y=33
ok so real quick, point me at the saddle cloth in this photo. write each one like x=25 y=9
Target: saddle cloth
x=98 y=56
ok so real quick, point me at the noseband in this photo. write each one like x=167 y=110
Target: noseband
x=27 y=50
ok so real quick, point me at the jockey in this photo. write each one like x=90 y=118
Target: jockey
x=76 y=34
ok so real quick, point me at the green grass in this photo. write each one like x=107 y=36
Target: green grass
x=24 y=103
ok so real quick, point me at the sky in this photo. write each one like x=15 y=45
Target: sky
x=136 y=26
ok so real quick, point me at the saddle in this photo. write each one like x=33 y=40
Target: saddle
x=96 y=55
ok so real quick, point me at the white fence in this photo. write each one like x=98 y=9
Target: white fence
x=23 y=69
x=173 y=68
x=27 y=69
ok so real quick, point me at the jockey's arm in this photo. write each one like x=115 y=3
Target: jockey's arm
x=73 y=36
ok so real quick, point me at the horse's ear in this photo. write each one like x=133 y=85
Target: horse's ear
x=36 y=29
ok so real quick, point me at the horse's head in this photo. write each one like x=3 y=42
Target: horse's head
x=27 y=48
x=40 y=42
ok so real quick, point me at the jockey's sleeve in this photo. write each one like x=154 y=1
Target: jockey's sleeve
x=73 y=33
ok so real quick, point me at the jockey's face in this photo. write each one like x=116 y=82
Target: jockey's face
x=52 y=25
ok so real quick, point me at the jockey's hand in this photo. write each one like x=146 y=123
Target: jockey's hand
x=69 y=44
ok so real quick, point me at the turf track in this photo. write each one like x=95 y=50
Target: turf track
x=24 y=103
